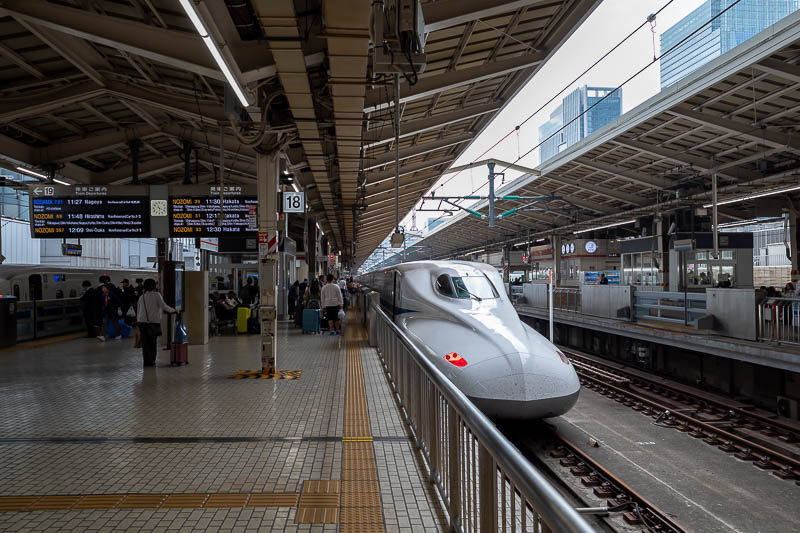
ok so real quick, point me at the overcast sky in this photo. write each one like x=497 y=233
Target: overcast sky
x=604 y=28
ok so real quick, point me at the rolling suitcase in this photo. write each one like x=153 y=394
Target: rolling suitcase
x=242 y=314
x=179 y=349
x=310 y=320
x=179 y=354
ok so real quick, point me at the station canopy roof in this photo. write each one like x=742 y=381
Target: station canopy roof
x=80 y=80
x=738 y=116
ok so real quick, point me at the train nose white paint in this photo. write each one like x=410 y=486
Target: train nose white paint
x=522 y=385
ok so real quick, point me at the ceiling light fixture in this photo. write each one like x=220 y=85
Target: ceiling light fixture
x=615 y=224
x=294 y=186
x=194 y=16
x=61 y=182
x=31 y=173
x=757 y=195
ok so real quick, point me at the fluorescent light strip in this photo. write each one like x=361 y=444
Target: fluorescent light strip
x=294 y=186
x=604 y=227
x=60 y=182
x=188 y=6
x=31 y=173
x=754 y=196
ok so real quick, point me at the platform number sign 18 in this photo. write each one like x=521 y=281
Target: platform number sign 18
x=294 y=202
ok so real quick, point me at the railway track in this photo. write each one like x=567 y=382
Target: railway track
x=714 y=420
x=622 y=502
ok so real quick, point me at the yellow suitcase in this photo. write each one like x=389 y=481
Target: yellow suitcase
x=242 y=314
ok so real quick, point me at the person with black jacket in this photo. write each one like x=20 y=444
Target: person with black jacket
x=111 y=310
x=129 y=297
x=88 y=306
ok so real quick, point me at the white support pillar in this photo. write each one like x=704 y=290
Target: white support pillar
x=555 y=240
x=268 y=169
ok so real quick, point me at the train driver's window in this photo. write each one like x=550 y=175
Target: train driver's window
x=443 y=286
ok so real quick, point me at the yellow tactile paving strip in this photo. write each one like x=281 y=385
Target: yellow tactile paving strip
x=258 y=374
x=43 y=342
x=361 y=510
x=319 y=502
x=146 y=501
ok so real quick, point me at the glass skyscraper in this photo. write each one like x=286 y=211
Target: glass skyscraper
x=577 y=119
x=727 y=31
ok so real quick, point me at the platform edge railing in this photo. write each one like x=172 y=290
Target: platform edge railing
x=484 y=481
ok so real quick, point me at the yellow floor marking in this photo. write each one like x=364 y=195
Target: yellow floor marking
x=148 y=501
x=43 y=342
x=258 y=374
x=361 y=510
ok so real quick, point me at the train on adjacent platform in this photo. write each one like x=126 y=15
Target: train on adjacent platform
x=458 y=316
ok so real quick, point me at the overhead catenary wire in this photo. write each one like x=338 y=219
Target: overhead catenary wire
x=600 y=100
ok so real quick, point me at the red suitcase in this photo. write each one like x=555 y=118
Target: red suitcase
x=179 y=354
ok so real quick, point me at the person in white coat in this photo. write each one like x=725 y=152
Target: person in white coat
x=332 y=301
x=150 y=310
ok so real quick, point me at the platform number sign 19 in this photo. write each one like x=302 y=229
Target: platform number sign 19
x=294 y=202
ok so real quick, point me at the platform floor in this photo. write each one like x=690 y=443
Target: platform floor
x=90 y=440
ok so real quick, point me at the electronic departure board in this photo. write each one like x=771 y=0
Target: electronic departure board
x=194 y=211
x=89 y=211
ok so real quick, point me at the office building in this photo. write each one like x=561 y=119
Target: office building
x=694 y=41
x=581 y=112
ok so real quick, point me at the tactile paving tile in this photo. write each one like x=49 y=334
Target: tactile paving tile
x=99 y=501
x=16 y=503
x=52 y=503
x=142 y=501
x=227 y=500
x=317 y=515
x=176 y=501
x=273 y=500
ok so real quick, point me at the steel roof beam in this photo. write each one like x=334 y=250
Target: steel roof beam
x=783 y=70
x=429 y=86
x=20 y=61
x=630 y=175
x=88 y=146
x=184 y=50
x=414 y=186
x=703 y=165
x=756 y=133
x=385 y=134
x=13 y=108
x=378 y=177
x=81 y=54
x=388 y=185
x=449 y=13
x=415 y=150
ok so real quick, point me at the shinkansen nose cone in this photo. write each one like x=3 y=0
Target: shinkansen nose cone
x=522 y=385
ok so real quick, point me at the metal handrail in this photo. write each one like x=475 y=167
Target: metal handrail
x=779 y=320
x=465 y=453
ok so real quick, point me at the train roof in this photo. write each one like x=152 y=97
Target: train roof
x=12 y=271
x=459 y=266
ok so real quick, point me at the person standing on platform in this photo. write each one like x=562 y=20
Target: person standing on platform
x=89 y=307
x=603 y=279
x=128 y=296
x=139 y=288
x=246 y=294
x=110 y=311
x=302 y=290
x=151 y=309
x=293 y=298
x=332 y=301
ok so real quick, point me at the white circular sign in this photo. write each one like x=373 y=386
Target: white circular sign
x=563 y=249
x=572 y=247
x=591 y=247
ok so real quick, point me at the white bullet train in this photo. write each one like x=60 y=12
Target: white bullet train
x=459 y=316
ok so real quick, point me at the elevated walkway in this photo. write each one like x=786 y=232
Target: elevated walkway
x=91 y=440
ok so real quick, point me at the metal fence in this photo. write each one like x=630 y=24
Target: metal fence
x=675 y=307
x=567 y=299
x=779 y=320
x=485 y=482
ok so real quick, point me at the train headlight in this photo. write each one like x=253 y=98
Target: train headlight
x=563 y=357
x=455 y=359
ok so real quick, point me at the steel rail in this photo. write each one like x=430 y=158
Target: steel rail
x=486 y=483
x=637 y=379
x=665 y=523
x=708 y=430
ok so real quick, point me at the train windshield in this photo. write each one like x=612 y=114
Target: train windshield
x=477 y=287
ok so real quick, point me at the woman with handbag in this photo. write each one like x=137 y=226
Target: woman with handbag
x=151 y=308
